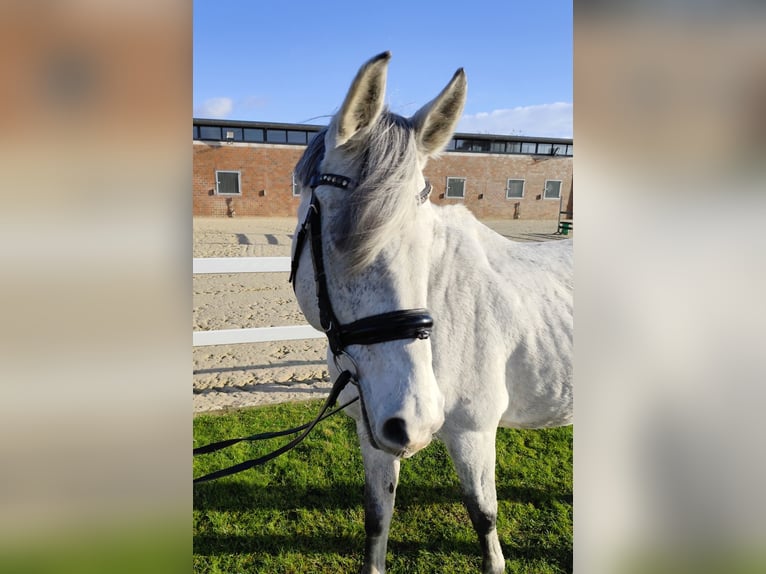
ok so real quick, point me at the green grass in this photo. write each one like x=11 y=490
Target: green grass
x=303 y=511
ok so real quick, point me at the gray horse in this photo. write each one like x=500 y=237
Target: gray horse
x=500 y=352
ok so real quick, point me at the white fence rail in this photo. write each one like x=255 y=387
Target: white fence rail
x=222 y=265
x=202 y=265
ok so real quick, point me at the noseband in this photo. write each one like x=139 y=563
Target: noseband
x=391 y=326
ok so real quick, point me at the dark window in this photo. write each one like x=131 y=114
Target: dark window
x=253 y=135
x=195 y=132
x=276 y=136
x=462 y=145
x=480 y=145
x=515 y=189
x=296 y=186
x=210 y=133
x=455 y=187
x=504 y=146
x=296 y=137
x=227 y=182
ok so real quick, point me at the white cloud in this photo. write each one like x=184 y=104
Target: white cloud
x=545 y=120
x=218 y=108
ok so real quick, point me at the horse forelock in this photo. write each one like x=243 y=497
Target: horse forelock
x=382 y=201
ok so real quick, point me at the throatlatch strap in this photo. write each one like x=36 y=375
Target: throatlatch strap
x=300 y=239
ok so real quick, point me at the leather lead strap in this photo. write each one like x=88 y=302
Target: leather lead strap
x=339 y=385
x=216 y=446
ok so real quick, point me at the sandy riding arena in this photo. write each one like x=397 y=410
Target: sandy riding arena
x=233 y=376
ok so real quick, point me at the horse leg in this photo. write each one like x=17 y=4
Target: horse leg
x=473 y=454
x=381 y=475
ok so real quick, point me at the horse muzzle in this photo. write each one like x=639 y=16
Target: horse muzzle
x=394 y=438
x=403 y=439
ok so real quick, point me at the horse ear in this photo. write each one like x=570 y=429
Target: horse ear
x=364 y=101
x=436 y=121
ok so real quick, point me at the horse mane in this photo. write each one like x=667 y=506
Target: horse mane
x=381 y=202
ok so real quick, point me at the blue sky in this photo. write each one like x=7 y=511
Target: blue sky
x=292 y=61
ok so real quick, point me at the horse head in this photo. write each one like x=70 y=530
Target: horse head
x=376 y=233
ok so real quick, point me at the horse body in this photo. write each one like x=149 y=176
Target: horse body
x=500 y=352
x=504 y=334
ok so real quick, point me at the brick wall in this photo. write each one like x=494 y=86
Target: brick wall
x=266 y=181
x=486 y=177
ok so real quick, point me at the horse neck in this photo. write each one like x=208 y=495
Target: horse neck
x=453 y=255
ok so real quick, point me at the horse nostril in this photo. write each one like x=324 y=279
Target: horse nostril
x=395 y=430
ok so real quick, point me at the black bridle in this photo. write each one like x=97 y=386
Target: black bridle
x=391 y=326
x=381 y=328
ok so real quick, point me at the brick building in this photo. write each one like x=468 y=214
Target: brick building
x=245 y=168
